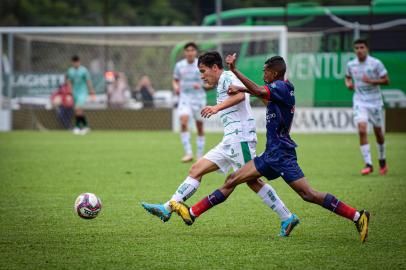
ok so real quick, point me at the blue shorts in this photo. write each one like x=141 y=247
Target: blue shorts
x=282 y=162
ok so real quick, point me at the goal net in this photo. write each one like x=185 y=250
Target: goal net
x=39 y=58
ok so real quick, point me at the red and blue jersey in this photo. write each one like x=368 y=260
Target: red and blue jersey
x=279 y=115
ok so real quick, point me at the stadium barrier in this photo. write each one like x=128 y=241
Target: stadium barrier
x=394 y=118
x=107 y=119
x=307 y=120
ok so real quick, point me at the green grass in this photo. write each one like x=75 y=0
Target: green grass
x=41 y=173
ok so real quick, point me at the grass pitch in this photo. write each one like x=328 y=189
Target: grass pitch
x=41 y=174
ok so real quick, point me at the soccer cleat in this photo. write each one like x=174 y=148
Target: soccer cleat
x=157 y=210
x=362 y=224
x=76 y=131
x=367 y=170
x=187 y=158
x=383 y=170
x=183 y=211
x=85 y=131
x=288 y=225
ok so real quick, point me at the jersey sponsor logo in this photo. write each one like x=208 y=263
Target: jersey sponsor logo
x=269 y=116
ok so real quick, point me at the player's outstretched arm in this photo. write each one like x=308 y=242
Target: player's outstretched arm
x=252 y=88
x=231 y=101
x=234 y=89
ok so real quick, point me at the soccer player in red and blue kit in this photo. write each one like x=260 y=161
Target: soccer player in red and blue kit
x=279 y=158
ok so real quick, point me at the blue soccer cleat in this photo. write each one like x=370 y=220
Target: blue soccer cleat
x=288 y=225
x=157 y=210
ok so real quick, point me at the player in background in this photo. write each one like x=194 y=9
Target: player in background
x=192 y=99
x=236 y=148
x=279 y=158
x=80 y=85
x=364 y=75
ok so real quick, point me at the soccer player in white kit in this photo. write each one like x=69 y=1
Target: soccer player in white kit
x=364 y=75
x=234 y=151
x=192 y=99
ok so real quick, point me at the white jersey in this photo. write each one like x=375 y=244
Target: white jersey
x=366 y=95
x=191 y=85
x=238 y=122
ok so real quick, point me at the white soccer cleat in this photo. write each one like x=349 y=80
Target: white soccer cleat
x=85 y=131
x=187 y=158
x=76 y=131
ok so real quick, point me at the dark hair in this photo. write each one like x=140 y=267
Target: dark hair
x=209 y=59
x=277 y=64
x=190 y=44
x=361 y=41
x=75 y=58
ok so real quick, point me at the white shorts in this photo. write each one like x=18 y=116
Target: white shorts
x=191 y=109
x=235 y=155
x=368 y=114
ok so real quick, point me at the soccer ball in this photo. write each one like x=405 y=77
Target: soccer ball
x=88 y=205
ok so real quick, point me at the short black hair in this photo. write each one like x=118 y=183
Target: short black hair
x=277 y=63
x=191 y=44
x=75 y=58
x=209 y=59
x=361 y=41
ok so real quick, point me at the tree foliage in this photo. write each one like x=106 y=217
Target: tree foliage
x=125 y=12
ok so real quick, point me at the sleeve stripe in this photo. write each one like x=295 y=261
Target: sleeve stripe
x=268 y=96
